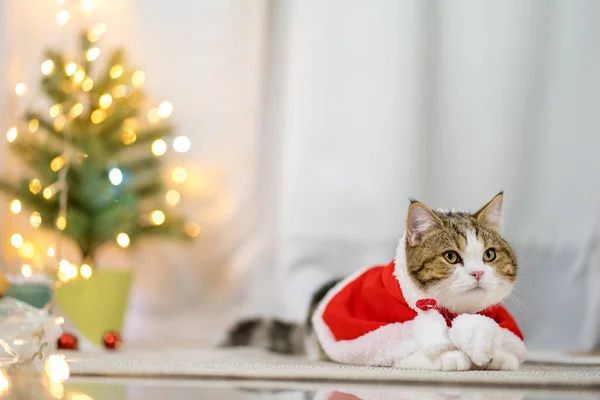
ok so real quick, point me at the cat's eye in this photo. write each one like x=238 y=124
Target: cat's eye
x=489 y=255
x=451 y=257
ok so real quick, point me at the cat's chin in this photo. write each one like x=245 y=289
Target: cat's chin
x=471 y=300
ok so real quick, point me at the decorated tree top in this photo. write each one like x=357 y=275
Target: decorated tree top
x=94 y=167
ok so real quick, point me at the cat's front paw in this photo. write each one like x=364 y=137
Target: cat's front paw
x=477 y=336
x=453 y=360
x=503 y=360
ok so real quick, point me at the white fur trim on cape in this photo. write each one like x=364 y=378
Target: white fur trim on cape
x=380 y=347
x=514 y=344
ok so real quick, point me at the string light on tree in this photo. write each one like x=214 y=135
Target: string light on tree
x=16 y=240
x=179 y=175
x=181 y=144
x=173 y=197
x=165 y=109
x=115 y=176
x=26 y=271
x=97 y=116
x=70 y=69
x=59 y=123
x=85 y=271
x=27 y=250
x=15 y=206
x=116 y=71
x=157 y=217
x=87 y=85
x=61 y=223
x=87 y=6
x=66 y=271
x=123 y=240
x=76 y=110
x=35 y=219
x=63 y=17
x=79 y=76
x=96 y=32
x=153 y=116
x=105 y=101
x=33 y=125
x=47 y=67
x=35 y=186
x=12 y=134
x=92 y=54
x=159 y=147
x=138 y=78
x=20 y=89
x=57 y=163
x=192 y=229
x=51 y=252
x=55 y=110
x=48 y=193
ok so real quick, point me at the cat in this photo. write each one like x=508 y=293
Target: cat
x=436 y=306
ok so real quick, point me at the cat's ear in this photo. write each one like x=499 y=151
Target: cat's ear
x=419 y=220
x=491 y=212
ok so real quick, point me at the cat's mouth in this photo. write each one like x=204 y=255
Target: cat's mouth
x=476 y=289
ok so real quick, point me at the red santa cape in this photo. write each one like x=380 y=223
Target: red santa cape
x=367 y=313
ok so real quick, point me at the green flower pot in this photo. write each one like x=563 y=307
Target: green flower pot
x=96 y=305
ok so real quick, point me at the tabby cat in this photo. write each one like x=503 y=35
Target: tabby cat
x=435 y=306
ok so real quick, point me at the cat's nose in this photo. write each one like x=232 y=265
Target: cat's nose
x=476 y=274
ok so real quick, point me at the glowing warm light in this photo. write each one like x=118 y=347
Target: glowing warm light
x=153 y=116
x=57 y=163
x=115 y=176
x=159 y=147
x=26 y=271
x=87 y=84
x=11 y=135
x=173 y=197
x=116 y=71
x=62 y=17
x=20 y=89
x=35 y=219
x=76 y=110
x=59 y=321
x=16 y=240
x=4 y=383
x=51 y=252
x=87 y=6
x=70 y=69
x=97 y=116
x=47 y=67
x=61 y=223
x=85 y=271
x=66 y=271
x=181 y=144
x=59 y=123
x=138 y=78
x=128 y=137
x=34 y=124
x=15 y=206
x=27 y=250
x=157 y=217
x=179 y=175
x=92 y=54
x=120 y=91
x=79 y=76
x=55 y=110
x=105 y=101
x=165 y=109
x=123 y=240
x=57 y=368
x=96 y=32
x=192 y=229
x=48 y=193
x=130 y=124
x=35 y=186
x=57 y=390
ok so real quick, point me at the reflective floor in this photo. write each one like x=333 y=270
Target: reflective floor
x=137 y=389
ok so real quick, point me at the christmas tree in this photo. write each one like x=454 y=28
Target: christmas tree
x=93 y=159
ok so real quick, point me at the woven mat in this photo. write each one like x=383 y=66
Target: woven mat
x=254 y=364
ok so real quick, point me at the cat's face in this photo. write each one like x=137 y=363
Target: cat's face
x=460 y=259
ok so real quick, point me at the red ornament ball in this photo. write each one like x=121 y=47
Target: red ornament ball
x=67 y=341
x=112 y=340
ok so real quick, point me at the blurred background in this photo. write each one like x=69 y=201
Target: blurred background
x=313 y=122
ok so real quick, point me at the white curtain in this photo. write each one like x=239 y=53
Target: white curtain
x=448 y=102
x=313 y=122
